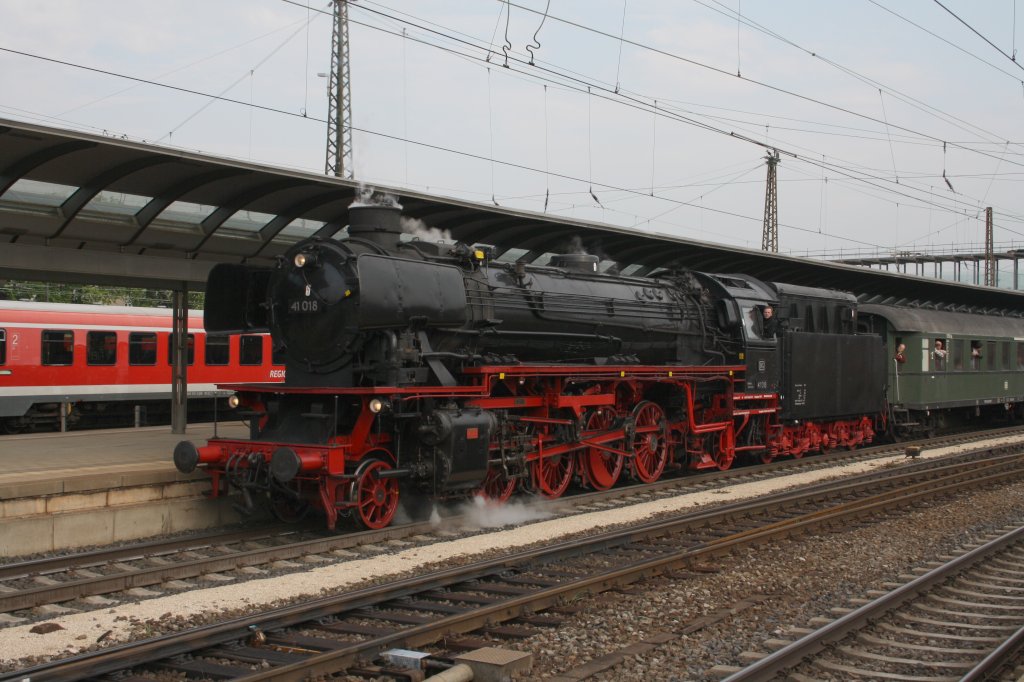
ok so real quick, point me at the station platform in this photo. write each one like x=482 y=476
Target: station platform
x=74 y=461
x=61 y=491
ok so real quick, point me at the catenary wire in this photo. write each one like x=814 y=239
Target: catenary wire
x=205 y=95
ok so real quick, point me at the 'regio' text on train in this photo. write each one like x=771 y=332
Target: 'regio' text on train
x=420 y=369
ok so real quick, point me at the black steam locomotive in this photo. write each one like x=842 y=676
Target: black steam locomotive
x=427 y=368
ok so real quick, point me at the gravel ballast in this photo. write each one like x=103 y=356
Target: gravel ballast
x=776 y=587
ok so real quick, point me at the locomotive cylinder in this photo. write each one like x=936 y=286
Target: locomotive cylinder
x=459 y=442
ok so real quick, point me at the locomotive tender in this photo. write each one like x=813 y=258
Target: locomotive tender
x=423 y=368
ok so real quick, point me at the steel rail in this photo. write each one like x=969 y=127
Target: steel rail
x=141 y=550
x=137 y=550
x=332 y=662
x=1007 y=653
x=323 y=663
x=796 y=653
x=182 y=570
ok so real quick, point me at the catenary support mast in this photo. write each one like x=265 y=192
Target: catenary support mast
x=990 y=259
x=339 y=97
x=770 y=237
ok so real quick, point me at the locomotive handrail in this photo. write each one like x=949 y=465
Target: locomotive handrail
x=709 y=427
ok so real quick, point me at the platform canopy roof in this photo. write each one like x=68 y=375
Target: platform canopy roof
x=77 y=207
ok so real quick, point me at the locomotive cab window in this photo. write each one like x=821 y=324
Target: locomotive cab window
x=142 y=348
x=277 y=355
x=217 y=349
x=754 y=322
x=58 y=347
x=101 y=348
x=190 y=344
x=250 y=350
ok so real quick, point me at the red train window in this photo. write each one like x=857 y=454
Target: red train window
x=217 y=350
x=190 y=344
x=250 y=350
x=142 y=348
x=3 y=346
x=58 y=347
x=101 y=348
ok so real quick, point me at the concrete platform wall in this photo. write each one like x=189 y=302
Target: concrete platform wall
x=31 y=524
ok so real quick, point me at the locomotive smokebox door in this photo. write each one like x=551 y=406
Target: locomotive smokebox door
x=460 y=443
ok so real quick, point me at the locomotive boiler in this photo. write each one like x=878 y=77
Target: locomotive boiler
x=377 y=309
x=429 y=368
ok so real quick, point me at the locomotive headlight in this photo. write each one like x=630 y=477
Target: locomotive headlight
x=234 y=401
x=378 y=405
x=305 y=259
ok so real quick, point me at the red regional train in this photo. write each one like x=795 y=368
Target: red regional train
x=65 y=365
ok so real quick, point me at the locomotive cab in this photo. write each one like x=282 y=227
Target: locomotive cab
x=741 y=307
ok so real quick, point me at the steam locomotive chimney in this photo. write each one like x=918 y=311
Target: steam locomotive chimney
x=375 y=223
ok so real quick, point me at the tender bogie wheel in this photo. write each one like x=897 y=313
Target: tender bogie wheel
x=601 y=469
x=552 y=475
x=497 y=486
x=376 y=498
x=650 y=444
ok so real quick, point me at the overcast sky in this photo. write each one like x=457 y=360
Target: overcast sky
x=869 y=102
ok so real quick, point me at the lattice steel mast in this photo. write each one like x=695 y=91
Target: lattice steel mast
x=770 y=237
x=339 y=97
x=990 y=258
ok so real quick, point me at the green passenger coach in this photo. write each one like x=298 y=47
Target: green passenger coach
x=957 y=367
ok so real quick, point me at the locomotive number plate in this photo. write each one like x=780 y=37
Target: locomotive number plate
x=305 y=306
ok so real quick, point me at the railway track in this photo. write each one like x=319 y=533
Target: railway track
x=504 y=597
x=962 y=620
x=39 y=589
